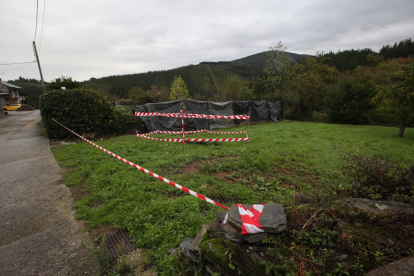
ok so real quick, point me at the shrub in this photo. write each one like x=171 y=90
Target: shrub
x=378 y=178
x=123 y=121
x=83 y=111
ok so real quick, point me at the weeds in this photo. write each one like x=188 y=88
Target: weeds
x=334 y=240
x=378 y=178
x=121 y=268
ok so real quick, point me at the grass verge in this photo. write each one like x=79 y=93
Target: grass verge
x=279 y=160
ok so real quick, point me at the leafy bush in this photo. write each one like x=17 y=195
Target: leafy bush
x=123 y=121
x=378 y=178
x=83 y=111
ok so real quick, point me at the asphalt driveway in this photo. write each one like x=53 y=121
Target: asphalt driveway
x=38 y=232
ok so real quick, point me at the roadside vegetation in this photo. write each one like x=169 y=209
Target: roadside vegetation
x=317 y=160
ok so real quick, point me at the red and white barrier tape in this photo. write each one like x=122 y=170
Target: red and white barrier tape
x=250 y=219
x=195 y=139
x=218 y=132
x=182 y=124
x=157 y=139
x=154 y=132
x=218 y=140
x=167 y=132
x=192 y=116
x=192 y=131
x=147 y=171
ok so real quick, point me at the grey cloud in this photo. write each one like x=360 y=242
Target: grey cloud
x=86 y=39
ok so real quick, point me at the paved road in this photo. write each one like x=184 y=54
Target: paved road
x=38 y=232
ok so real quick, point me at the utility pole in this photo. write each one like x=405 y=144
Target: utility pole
x=40 y=69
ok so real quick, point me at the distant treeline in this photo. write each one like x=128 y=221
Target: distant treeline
x=403 y=49
x=20 y=79
x=348 y=60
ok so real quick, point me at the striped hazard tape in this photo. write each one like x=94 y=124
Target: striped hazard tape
x=218 y=140
x=192 y=116
x=192 y=131
x=218 y=132
x=196 y=139
x=157 y=139
x=250 y=218
x=147 y=171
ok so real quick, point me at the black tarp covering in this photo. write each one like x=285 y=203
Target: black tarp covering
x=165 y=123
x=259 y=111
x=195 y=107
x=221 y=108
x=240 y=108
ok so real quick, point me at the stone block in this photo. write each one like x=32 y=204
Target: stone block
x=199 y=237
x=272 y=220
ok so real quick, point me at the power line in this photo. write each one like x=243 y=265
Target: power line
x=18 y=63
x=37 y=13
x=41 y=36
x=15 y=68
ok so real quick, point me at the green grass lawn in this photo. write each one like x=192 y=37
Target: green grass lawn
x=280 y=159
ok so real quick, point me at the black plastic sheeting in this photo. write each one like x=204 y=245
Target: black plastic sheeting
x=221 y=108
x=259 y=111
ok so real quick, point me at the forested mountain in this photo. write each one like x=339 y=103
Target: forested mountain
x=195 y=76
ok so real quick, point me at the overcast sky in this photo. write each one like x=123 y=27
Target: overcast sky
x=90 y=38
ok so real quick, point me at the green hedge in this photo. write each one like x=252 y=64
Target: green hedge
x=83 y=111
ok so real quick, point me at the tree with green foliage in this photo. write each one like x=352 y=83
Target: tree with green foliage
x=154 y=93
x=277 y=69
x=234 y=88
x=401 y=96
x=138 y=95
x=207 y=90
x=103 y=89
x=307 y=87
x=350 y=100
x=179 y=89
x=66 y=82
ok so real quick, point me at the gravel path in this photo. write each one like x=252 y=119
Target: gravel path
x=38 y=232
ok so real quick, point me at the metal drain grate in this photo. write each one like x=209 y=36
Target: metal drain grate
x=118 y=244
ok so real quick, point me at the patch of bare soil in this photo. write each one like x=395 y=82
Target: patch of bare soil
x=78 y=192
x=65 y=170
x=100 y=231
x=136 y=259
x=284 y=171
x=309 y=179
x=223 y=175
x=287 y=186
x=194 y=167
